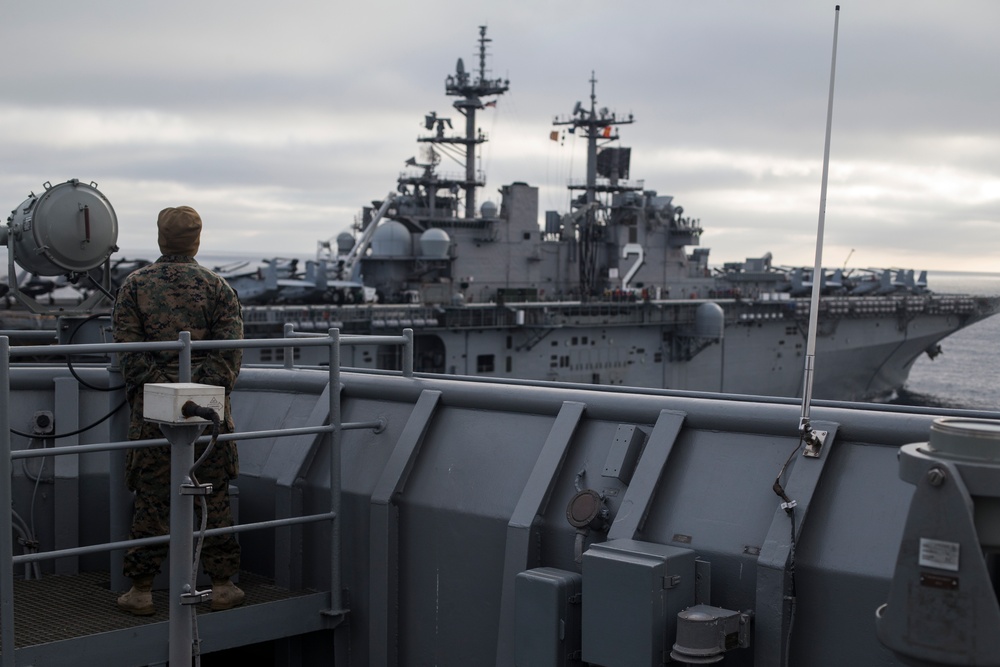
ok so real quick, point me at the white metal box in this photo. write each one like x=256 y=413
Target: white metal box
x=162 y=402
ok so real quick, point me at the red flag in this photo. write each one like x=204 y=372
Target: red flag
x=554 y=135
x=607 y=131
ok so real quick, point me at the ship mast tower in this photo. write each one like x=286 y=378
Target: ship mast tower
x=596 y=124
x=471 y=88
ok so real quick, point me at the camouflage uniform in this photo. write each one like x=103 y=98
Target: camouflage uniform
x=155 y=303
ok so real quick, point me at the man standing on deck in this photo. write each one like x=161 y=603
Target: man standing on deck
x=155 y=303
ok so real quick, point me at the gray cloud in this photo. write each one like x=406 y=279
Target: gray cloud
x=279 y=121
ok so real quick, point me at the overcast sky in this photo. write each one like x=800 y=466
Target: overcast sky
x=278 y=121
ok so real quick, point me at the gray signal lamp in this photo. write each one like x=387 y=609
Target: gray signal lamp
x=69 y=230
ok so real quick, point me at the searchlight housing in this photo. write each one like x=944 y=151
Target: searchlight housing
x=69 y=230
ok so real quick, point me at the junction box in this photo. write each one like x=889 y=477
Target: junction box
x=164 y=402
x=632 y=593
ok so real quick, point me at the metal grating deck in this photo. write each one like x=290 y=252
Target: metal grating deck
x=61 y=607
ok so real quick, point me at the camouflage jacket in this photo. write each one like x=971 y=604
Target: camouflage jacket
x=157 y=302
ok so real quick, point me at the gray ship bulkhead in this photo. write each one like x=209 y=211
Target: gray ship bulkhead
x=456 y=533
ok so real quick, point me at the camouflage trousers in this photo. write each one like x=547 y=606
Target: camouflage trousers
x=148 y=475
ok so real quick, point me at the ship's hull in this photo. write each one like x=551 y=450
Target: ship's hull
x=865 y=347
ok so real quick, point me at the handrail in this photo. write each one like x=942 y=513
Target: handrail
x=376 y=424
x=162 y=539
x=184 y=346
x=406 y=340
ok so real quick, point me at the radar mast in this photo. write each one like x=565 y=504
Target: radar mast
x=471 y=89
x=612 y=165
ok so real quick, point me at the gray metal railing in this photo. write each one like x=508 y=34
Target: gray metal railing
x=184 y=347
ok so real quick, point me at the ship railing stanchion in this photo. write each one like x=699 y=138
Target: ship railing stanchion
x=408 y=353
x=336 y=602
x=184 y=363
x=6 y=504
x=289 y=331
x=182 y=438
x=120 y=515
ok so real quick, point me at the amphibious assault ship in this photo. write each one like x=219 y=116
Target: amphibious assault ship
x=615 y=291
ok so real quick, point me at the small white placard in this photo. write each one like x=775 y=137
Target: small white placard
x=938 y=553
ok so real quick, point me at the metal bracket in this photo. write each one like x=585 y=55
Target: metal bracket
x=189 y=489
x=332 y=618
x=814 y=443
x=196 y=598
x=28 y=544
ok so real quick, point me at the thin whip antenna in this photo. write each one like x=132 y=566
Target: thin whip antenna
x=818 y=266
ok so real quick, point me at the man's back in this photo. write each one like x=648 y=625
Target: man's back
x=160 y=300
x=177 y=294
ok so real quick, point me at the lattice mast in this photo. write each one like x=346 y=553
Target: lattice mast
x=596 y=124
x=471 y=88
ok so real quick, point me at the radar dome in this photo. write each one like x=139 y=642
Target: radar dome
x=434 y=243
x=391 y=239
x=488 y=209
x=709 y=321
x=344 y=243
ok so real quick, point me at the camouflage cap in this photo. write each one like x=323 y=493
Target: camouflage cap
x=179 y=231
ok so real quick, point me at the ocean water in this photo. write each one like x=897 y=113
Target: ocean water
x=967 y=373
